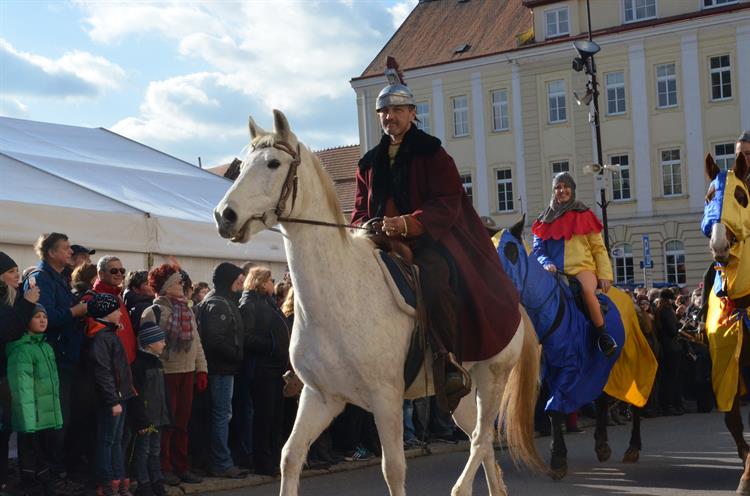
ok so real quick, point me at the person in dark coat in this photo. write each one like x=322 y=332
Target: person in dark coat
x=221 y=331
x=666 y=325
x=114 y=387
x=267 y=340
x=149 y=411
x=410 y=181
x=138 y=295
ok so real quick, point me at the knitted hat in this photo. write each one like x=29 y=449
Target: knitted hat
x=6 y=263
x=39 y=308
x=150 y=333
x=102 y=304
x=225 y=274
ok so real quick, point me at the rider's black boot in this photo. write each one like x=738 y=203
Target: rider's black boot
x=605 y=342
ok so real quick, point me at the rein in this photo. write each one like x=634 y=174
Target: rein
x=290 y=187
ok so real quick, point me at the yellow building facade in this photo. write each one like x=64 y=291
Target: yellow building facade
x=674 y=82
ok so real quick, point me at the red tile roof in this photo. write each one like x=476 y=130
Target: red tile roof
x=435 y=29
x=341 y=165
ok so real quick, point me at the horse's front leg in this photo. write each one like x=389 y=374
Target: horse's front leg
x=634 y=448
x=314 y=413
x=558 y=463
x=389 y=419
x=601 y=441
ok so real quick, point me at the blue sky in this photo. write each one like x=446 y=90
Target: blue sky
x=183 y=76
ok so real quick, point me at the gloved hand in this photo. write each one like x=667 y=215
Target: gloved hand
x=201 y=381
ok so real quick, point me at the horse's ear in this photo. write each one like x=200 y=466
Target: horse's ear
x=712 y=170
x=740 y=167
x=255 y=130
x=280 y=124
x=517 y=229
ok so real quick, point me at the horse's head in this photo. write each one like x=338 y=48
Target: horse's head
x=725 y=215
x=266 y=188
x=512 y=253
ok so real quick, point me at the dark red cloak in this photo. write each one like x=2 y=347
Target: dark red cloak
x=425 y=183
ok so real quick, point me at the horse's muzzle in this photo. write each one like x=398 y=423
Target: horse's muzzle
x=226 y=222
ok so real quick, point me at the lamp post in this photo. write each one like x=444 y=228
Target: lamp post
x=585 y=62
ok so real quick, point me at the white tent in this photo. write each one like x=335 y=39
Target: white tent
x=113 y=194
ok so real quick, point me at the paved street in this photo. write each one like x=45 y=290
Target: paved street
x=688 y=455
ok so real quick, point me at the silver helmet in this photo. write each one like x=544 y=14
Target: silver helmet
x=396 y=93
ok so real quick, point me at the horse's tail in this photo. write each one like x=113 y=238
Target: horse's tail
x=519 y=401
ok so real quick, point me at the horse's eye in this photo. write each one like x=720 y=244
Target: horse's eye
x=740 y=196
x=273 y=164
x=511 y=253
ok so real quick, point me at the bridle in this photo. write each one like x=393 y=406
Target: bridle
x=290 y=188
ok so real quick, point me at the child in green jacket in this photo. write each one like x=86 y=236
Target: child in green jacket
x=35 y=402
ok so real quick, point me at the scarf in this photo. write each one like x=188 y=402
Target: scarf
x=555 y=210
x=180 y=326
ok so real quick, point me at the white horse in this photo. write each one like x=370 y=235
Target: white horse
x=350 y=336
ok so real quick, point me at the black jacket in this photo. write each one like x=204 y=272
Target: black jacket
x=150 y=406
x=14 y=321
x=266 y=333
x=114 y=382
x=220 y=325
x=136 y=303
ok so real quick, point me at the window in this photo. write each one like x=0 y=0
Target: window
x=717 y=3
x=639 y=10
x=504 y=190
x=423 y=116
x=674 y=261
x=666 y=85
x=460 y=116
x=560 y=166
x=500 y=110
x=721 y=78
x=467 y=184
x=670 y=172
x=557 y=22
x=556 y=98
x=621 y=179
x=615 y=93
x=622 y=256
x=724 y=155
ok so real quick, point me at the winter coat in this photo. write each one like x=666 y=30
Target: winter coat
x=125 y=332
x=425 y=184
x=176 y=361
x=34 y=384
x=64 y=332
x=136 y=303
x=266 y=333
x=150 y=406
x=221 y=331
x=14 y=321
x=111 y=370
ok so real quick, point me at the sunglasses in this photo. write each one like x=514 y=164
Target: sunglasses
x=115 y=270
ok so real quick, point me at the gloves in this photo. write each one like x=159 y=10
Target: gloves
x=201 y=381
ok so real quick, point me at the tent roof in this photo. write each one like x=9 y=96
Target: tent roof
x=96 y=170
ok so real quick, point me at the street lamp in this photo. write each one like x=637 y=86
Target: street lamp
x=585 y=62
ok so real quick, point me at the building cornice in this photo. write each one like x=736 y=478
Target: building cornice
x=737 y=15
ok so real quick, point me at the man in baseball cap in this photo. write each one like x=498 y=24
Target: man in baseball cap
x=81 y=255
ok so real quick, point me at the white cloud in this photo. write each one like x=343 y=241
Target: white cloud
x=401 y=11
x=12 y=107
x=74 y=75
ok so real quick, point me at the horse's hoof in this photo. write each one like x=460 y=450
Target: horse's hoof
x=603 y=452
x=631 y=455
x=744 y=487
x=558 y=467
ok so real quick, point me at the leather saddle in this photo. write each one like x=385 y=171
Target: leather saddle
x=576 y=290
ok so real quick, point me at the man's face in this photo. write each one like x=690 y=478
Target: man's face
x=237 y=284
x=396 y=120
x=744 y=148
x=61 y=254
x=113 y=274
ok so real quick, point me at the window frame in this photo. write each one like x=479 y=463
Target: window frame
x=721 y=72
x=424 y=122
x=507 y=183
x=624 y=263
x=676 y=262
x=617 y=176
x=460 y=113
x=557 y=96
x=671 y=163
x=556 y=13
x=724 y=157
x=667 y=79
x=462 y=177
x=616 y=87
x=634 y=10
x=503 y=109
x=717 y=3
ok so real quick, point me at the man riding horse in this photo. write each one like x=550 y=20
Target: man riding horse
x=411 y=182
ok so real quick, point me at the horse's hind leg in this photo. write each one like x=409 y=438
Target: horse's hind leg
x=634 y=448
x=314 y=414
x=601 y=441
x=465 y=417
x=490 y=379
x=389 y=418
